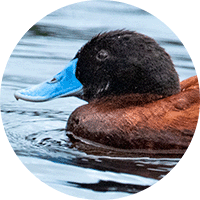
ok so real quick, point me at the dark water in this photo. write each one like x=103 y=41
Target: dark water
x=36 y=130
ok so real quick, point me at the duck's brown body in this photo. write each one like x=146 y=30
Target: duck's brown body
x=139 y=121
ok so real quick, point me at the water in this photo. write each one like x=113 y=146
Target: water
x=36 y=130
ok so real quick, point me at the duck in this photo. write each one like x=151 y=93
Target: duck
x=135 y=98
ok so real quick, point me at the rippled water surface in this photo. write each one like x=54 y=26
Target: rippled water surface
x=36 y=130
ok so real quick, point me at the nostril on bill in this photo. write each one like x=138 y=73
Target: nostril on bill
x=53 y=80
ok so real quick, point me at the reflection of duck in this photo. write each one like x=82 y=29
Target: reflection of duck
x=135 y=98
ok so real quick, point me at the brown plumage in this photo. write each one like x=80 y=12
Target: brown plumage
x=137 y=121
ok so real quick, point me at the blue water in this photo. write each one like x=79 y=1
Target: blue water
x=36 y=130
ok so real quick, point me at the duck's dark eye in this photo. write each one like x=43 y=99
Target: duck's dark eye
x=102 y=55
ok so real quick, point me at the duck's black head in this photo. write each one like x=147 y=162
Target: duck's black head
x=124 y=62
x=111 y=64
